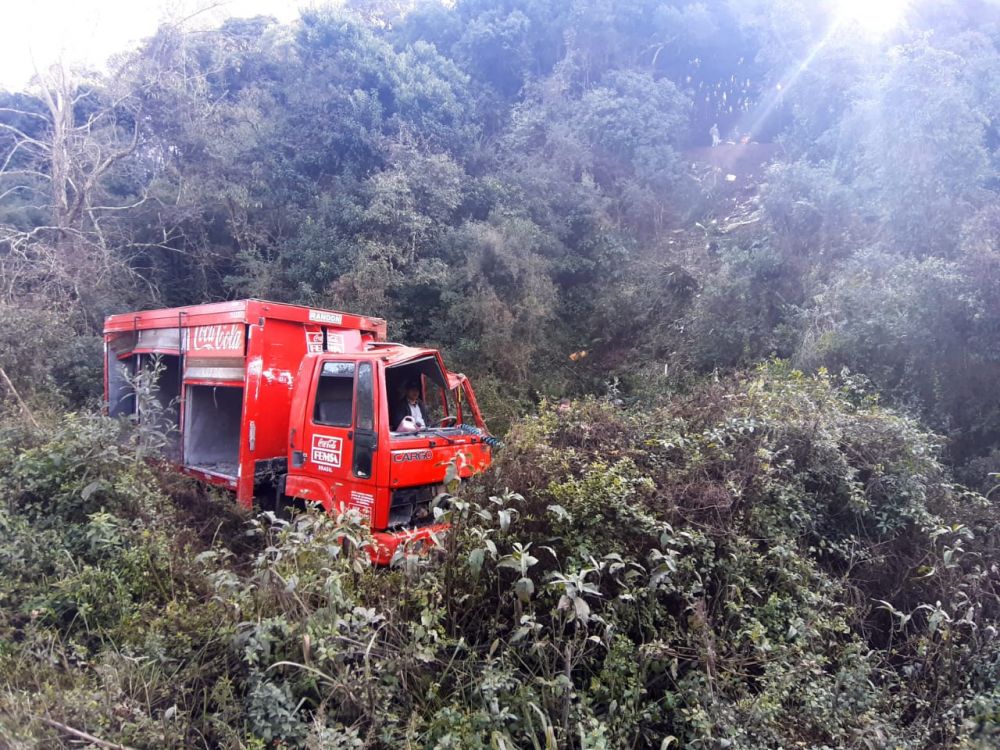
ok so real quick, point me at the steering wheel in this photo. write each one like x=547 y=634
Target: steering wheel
x=450 y=421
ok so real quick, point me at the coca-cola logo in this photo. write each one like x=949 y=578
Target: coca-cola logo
x=218 y=338
x=314 y=342
x=326 y=443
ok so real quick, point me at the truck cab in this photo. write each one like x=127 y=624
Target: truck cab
x=345 y=452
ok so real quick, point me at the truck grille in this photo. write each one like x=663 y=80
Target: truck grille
x=411 y=506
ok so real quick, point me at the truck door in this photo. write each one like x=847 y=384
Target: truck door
x=339 y=434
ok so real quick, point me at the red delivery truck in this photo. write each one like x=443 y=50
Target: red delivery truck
x=282 y=401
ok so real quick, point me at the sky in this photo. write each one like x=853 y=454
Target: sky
x=40 y=32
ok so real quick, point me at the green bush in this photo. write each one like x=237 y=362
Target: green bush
x=771 y=560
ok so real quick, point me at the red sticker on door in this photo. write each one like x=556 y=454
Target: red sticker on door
x=314 y=342
x=326 y=450
x=335 y=343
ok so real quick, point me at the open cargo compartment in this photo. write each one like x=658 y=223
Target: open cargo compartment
x=234 y=364
x=163 y=411
x=212 y=420
x=121 y=395
x=168 y=385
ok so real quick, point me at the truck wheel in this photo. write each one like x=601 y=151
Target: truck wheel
x=284 y=506
x=271 y=497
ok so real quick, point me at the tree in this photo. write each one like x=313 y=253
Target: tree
x=81 y=130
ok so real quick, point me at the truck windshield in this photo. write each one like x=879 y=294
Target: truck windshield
x=435 y=406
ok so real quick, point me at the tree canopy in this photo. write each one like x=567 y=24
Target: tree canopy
x=517 y=181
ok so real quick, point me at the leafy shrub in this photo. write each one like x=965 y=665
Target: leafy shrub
x=769 y=560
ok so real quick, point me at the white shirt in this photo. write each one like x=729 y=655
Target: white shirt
x=415 y=413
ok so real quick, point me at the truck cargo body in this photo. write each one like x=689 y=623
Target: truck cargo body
x=274 y=400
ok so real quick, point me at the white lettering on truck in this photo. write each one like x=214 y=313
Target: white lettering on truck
x=361 y=498
x=314 y=342
x=322 y=316
x=227 y=337
x=335 y=343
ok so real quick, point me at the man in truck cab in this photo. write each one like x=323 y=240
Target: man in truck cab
x=411 y=406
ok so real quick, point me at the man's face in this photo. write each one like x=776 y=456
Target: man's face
x=412 y=393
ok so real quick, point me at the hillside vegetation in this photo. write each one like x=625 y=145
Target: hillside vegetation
x=773 y=560
x=748 y=389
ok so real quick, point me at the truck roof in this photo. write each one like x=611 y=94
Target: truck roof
x=242 y=311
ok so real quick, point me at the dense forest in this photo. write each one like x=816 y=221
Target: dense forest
x=756 y=243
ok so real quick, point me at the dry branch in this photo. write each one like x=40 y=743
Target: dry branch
x=17 y=396
x=83 y=735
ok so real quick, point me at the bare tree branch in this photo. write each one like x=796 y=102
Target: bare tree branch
x=24 y=112
x=14 y=189
x=10 y=156
x=29 y=172
x=120 y=208
x=24 y=136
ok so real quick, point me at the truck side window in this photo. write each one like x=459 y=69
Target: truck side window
x=365 y=440
x=335 y=395
x=366 y=398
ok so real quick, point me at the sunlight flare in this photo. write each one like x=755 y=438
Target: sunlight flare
x=875 y=16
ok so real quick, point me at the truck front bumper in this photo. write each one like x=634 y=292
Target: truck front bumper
x=419 y=540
